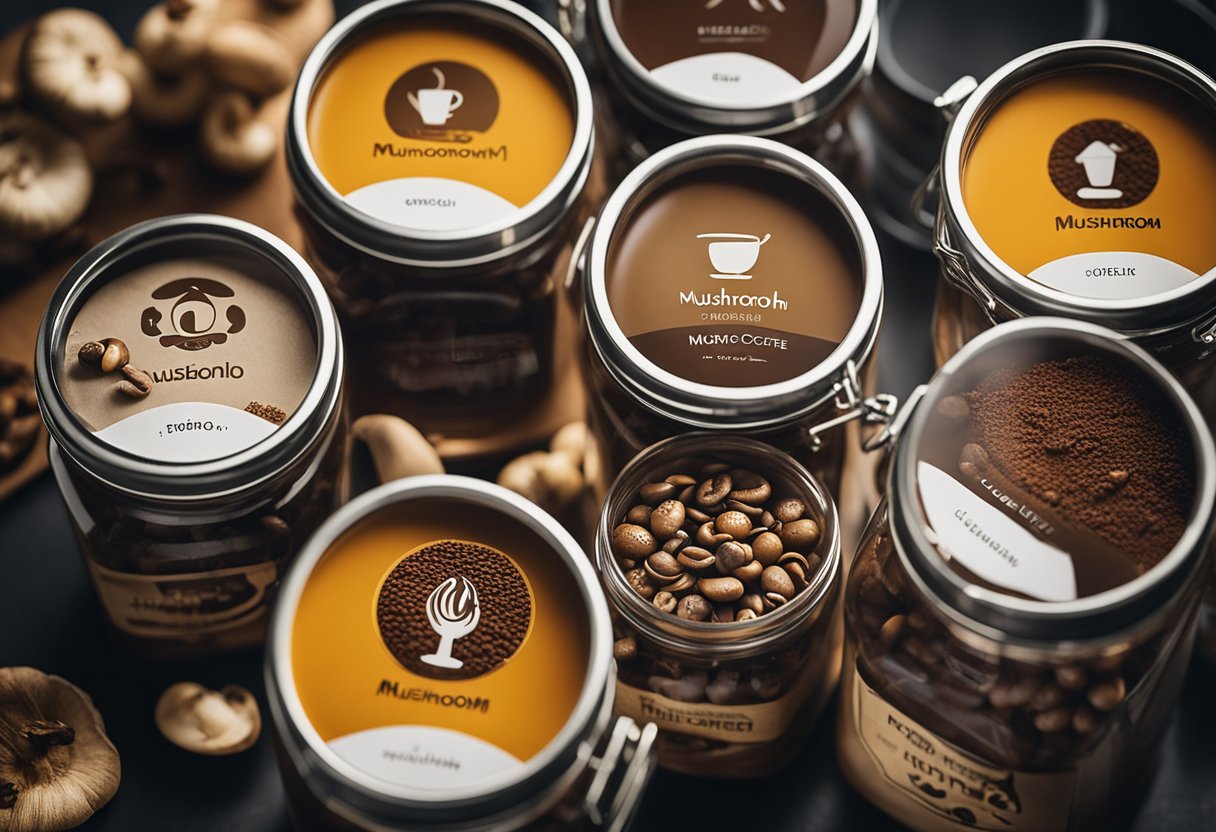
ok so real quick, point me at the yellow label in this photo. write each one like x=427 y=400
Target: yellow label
x=439 y=644
x=440 y=123
x=956 y=789
x=1098 y=183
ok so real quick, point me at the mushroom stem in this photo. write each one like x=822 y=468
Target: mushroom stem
x=44 y=734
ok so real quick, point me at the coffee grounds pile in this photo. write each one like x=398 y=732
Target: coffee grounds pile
x=268 y=412
x=1095 y=441
x=506 y=608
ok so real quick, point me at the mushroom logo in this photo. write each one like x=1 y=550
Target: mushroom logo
x=453 y=611
x=193 y=316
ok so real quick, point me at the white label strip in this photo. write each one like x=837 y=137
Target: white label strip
x=990 y=544
x=1113 y=275
x=423 y=756
x=188 y=432
x=731 y=79
x=429 y=203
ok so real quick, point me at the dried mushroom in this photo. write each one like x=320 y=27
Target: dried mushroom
x=171 y=36
x=166 y=101
x=206 y=721
x=20 y=423
x=397 y=448
x=57 y=767
x=250 y=57
x=45 y=179
x=234 y=140
x=552 y=479
x=70 y=65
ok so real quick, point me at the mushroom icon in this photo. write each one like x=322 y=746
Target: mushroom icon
x=454 y=612
x=1099 y=159
x=193 y=314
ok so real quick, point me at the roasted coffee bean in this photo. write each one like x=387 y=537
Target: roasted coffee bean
x=114 y=355
x=626 y=564
x=1047 y=697
x=1084 y=720
x=665 y=602
x=749 y=487
x=663 y=565
x=638 y=579
x=694 y=557
x=1106 y=696
x=654 y=493
x=1072 y=677
x=693 y=608
x=734 y=523
x=767 y=520
x=714 y=490
x=775 y=579
x=720 y=590
x=707 y=537
x=772 y=600
x=723 y=613
x=800 y=534
x=624 y=649
x=745 y=614
x=631 y=541
x=730 y=556
x=639 y=515
x=136 y=383
x=681 y=480
x=797 y=575
x=1056 y=719
x=749 y=572
x=753 y=512
x=767 y=548
x=789 y=510
x=696 y=515
x=682 y=585
x=667 y=518
x=752 y=602
x=91 y=352
x=676 y=543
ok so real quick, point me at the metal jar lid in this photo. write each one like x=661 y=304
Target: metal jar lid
x=170 y=237
x=709 y=406
x=525 y=791
x=970 y=263
x=1018 y=622
x=440 y=249
x=813 y=99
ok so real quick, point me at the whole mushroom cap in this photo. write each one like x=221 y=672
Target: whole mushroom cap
x=45 y=179
x=233 y=139
x=70 y=64
x=172 y=35
x=57 y=766
x=207 y=721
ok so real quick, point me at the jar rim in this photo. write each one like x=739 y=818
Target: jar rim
x=709 y=406
x=1174 y=311
x=810 y=101
x=454 y=248
x=488 y=796
x=184 y=482
x=721 y=639
x=1004 y=618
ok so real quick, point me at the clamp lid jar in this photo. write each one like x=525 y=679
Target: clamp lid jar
x=441 y=657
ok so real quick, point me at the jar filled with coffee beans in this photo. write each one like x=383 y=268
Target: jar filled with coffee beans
x=1022 y=609
x=189 y=370
x=1109 y=230
x=672 y=70
x=720 y=556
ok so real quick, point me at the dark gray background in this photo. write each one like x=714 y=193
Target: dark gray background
x=50 y=619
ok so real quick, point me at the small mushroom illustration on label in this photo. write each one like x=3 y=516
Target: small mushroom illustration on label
x=454 y=612
x=193 y=317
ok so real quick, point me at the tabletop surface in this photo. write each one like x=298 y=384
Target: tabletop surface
x=50 y=619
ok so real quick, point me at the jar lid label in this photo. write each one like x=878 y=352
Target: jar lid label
x=732 y=53
x=734 y=276
x=1097 y=183
x=439 y=644
x=219 y=352
x=1050 y=471
x=430 y=123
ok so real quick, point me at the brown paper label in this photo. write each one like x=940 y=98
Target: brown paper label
x=172 y=606
x=950 y=784
x=731 y=723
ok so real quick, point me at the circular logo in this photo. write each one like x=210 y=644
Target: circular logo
x=1103 y=164
x=454 y=610
x=441 y=101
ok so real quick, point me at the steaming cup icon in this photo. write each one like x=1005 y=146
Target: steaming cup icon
x=453 y=611
x=436 y=105
x=1099 y=159
x=734 y=254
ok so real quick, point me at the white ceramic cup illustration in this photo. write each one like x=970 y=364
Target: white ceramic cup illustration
x=1099 y=159
x=733 y=254
x=436 y=105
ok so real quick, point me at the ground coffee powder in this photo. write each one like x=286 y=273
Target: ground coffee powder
x=501 y=591
x=1096 y=442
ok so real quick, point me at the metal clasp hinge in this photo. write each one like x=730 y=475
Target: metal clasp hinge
x=621 y=774
x=1205 y=333
x=955 y=268
x=878 y=409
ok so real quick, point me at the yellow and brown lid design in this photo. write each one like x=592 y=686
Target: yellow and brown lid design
x=1096 y=177
x=732 y=268
x=426 y=121
x=440 y=635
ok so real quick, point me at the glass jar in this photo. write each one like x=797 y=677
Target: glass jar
x=672 y=71
x=441 y=658
x=187 y=501
x=732 y=284
x=1145 y=269
x=441 y=198
x=1016 y=644
x=731 y=698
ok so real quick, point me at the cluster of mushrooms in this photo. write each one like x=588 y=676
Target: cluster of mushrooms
x=187 y=68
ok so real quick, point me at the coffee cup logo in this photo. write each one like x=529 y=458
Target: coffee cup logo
x=1103 y=164
x=756 y=5
x=454 y=609
x=193 y=315
x=733 y=255
x=442 y=101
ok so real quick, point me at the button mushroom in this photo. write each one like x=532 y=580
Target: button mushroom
x=162 y=101
x=207 y=721
x=45 y=179
x=57 y=767
x=171 y=36
x=233 y=138
x=70 y=65
x=250 y=57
